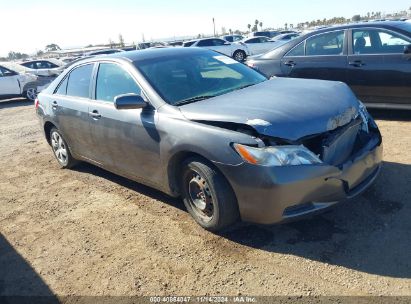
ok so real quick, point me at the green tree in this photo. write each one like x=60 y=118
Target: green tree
x=249 y=27
x=261 y=25
x=52 y=47
x=356 y=18
x=16 y=56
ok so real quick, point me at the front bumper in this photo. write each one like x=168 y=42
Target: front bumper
x=268 y=195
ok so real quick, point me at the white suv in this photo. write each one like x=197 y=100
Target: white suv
x=14 y=83
x=235 y=50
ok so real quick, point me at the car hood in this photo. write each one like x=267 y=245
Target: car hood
x=281 y=107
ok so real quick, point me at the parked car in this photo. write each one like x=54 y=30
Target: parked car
x=258 y=45
x=287 y=32
x=103 y=52
x=268 y=34
x=197 y=124
x=373 y=58
x=15 y=82
x=44 y=67
x=233 y=38
x=235 y=50
x=285 y=37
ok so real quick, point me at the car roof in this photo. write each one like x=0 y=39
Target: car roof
x=395 y=24
x=141 y=55
x=254 y=37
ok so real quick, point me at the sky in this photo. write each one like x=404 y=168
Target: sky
x=30 y=25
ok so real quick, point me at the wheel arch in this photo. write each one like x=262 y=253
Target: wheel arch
x=174 y=168
x=47 y=128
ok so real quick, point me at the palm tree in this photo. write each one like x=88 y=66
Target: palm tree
x=261 y=25
x=285 y=25
x=249 y=27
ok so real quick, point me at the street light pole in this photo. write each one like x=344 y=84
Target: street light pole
x=214 y=26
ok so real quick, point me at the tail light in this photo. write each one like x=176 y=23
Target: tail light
x=36 y=103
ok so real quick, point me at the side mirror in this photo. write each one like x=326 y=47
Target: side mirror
x=129 y=101
x=407 y=49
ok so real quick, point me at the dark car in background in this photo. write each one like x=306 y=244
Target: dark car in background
x=373 y=58
x=268 y=34
x=232 y=38
x=197 y=124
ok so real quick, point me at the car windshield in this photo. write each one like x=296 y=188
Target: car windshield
x=189 y=77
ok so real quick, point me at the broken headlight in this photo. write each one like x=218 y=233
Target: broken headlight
x=277 y=156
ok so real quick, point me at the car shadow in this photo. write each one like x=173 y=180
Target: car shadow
x=19 y=282
x=370 y=233
x=130 y=184
x=15 y=103
x=388 y=114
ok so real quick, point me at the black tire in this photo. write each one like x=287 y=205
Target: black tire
x=239 y=55
x=222 y=211
x=61 y=150
x=30 y=93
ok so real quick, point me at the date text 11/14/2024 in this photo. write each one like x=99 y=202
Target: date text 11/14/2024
x=203 y=299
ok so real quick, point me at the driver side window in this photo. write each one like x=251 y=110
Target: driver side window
x=112 y=80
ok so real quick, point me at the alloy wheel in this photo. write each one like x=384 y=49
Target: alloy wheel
x=59 y=148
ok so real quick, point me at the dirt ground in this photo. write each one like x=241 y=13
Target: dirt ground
x=89 y=232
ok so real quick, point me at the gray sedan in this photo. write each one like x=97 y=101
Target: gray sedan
x=197 y=124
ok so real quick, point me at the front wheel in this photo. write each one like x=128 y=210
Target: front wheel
x=239 y=55
x=208 y=196
x=61 y=150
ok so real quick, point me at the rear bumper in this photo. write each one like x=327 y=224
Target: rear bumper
x=269 y=195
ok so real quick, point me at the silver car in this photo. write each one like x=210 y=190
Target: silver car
x=197 y=124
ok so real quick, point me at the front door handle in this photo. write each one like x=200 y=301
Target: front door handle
x=290 y=63
x=54 y=105
x=356 y=63
x=95 y=114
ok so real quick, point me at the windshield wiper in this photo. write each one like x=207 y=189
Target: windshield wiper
x=193 y=99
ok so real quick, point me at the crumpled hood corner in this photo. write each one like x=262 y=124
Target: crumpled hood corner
x=285 y=108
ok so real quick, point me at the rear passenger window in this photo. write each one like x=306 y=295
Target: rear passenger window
x=62 y=88
x=325 y=44
x=296 y=51
x=112 y=81
x=79 y=81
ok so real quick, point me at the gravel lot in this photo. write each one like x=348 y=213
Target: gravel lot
x=89 y=232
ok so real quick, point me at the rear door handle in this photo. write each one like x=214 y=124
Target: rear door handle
x=54 y=105
x=95 y=114
x=356 y=63
x=290 y=63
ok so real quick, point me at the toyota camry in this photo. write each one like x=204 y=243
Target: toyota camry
x=199 y=125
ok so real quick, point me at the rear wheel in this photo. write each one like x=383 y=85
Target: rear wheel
x=61 y=150
x=239 y=55
x=31 y=93
x=208 y=196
